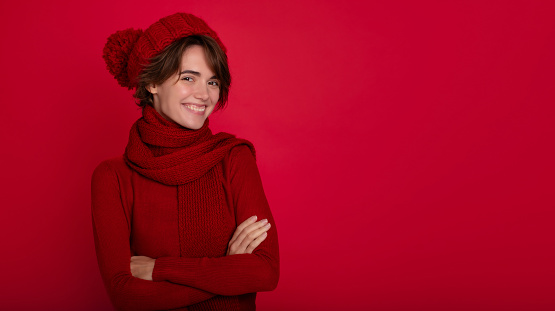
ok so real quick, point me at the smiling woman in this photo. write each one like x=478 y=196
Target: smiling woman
x=190 y=96
x=196 y=59
x=175 y=218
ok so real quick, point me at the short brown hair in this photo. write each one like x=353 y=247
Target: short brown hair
x=167 y=63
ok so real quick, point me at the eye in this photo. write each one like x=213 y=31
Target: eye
x=187 y=78
x=214 y=83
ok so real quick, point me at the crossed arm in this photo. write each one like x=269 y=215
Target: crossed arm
x=250 y=265
x=246 y=238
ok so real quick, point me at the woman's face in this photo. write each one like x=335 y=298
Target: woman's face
x=193 y=98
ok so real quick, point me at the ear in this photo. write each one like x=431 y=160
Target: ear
x=152 y=89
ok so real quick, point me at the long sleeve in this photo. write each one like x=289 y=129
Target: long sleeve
x=111 y=237
x=235 y=274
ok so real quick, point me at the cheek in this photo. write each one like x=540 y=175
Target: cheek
x=165 y=96
x=214 y=95
x=185 y=91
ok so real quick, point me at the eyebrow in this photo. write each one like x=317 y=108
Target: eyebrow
x=195 y=73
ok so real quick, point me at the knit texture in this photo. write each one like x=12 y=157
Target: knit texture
x=128 y=51
x=177 y=195
x=165 y=151
x=171 y=154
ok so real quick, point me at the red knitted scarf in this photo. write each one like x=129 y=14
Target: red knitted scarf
x=166 y=152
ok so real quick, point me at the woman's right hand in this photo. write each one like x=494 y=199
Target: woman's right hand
x=248 y=235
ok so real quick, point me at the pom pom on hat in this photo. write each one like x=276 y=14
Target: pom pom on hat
x=128 y=51
x=116 y=54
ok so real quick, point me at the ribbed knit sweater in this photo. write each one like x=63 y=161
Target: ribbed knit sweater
x=136 y=216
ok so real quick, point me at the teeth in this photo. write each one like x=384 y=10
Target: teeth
x=195 y=108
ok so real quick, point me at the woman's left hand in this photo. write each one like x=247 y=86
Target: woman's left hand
x=142 y=266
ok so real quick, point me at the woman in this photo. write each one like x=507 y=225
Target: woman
x=180 y=221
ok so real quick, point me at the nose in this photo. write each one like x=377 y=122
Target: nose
x=201 y=92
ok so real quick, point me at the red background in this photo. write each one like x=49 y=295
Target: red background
x=406 y=148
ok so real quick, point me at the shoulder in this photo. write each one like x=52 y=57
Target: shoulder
x=240 y=148
x=242 y=152
x=240 y=162
x=111 y=168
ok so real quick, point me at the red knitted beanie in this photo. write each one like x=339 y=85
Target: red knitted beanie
x=128 y=51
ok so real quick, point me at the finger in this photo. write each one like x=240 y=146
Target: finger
x=240 y=228
x=250 y=228
x=251 y=232
x=253 y=235
x=241 y=231
x=254 y=244
x=133 y=269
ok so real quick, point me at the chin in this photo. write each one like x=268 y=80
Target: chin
x=192 y=125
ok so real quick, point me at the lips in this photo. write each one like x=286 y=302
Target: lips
x=195 y=108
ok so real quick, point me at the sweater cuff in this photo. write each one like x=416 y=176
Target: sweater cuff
x=173 y=269
x=160 y=270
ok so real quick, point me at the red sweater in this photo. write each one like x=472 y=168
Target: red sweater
x=136 y=216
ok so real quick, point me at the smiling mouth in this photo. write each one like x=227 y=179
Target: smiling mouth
x=195 y=107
